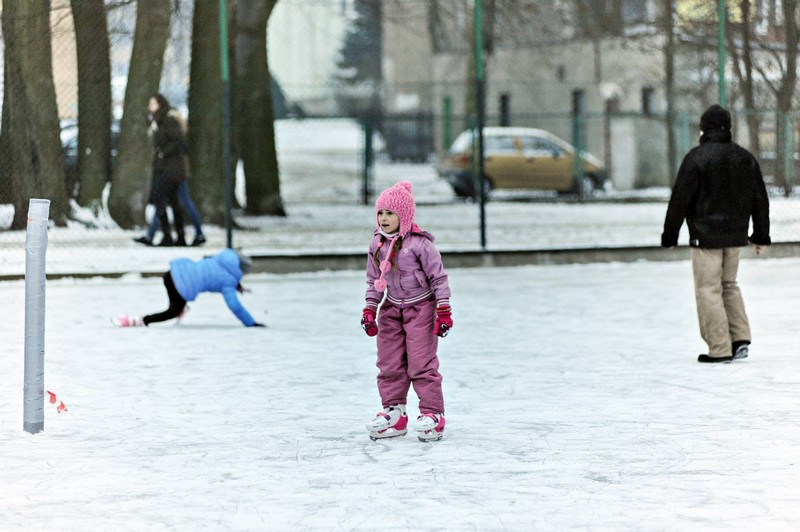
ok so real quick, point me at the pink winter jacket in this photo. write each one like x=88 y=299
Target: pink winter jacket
x=417 y=271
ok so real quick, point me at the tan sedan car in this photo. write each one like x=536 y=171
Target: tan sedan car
x=519 y=158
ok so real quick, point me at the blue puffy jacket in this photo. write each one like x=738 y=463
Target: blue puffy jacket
x=220 y=273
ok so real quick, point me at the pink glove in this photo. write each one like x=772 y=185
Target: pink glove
x=368 y=321
x=444 y=321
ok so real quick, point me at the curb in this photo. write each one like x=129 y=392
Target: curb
x=314 y=262
x=506 y=258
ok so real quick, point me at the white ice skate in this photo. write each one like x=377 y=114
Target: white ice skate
x=390 y=423
x=127 y=321
x=429 y=427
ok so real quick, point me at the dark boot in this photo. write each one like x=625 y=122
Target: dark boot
x=166 y=241
x=706 y=358
x=740 y=349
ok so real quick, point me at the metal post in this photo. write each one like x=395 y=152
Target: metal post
x=35 y=251
x=447 y=125
x=721 y=17
x=578 y=125
x=479 y=74
x=226 y=120
x=368 y=159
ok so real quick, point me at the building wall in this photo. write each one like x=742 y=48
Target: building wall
x=304 y=39
x=539 y=84
x=407 y=64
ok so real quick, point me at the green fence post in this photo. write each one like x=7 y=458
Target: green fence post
x=480 y=97
x=578 y=125
x=226 y=120
x=366 y=172
x=447 y=122
x=721 y=53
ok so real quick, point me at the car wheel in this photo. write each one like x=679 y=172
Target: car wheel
x=599 y=182
x=583 y=187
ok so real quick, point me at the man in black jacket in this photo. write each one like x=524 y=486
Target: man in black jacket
x=718 y=189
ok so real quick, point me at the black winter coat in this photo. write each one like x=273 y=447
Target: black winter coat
x=169 y=144
x=718 y=189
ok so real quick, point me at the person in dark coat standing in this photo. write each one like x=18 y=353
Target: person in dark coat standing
x=719 y=188
x=169 y=170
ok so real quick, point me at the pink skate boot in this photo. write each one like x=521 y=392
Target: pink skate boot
x=127 y=321
x=429 y=427
x=390 y=423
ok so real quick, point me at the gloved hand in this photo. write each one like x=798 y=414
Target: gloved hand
x=444 y=321
x=368 y=321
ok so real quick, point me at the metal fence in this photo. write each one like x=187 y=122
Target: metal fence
x=325 y=172
x=333 y=167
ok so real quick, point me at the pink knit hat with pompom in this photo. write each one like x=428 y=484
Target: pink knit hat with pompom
x=399 y=200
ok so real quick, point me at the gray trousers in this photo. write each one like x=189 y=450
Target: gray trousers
x=720 y=308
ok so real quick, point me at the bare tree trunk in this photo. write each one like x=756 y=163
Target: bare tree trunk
x=205 y=114
x=743 y=67
x=94 y=100
x=132 y=172
x=785 y=94
x=32 y=160
x=253 y=97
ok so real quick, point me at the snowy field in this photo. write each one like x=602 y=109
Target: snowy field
x=573 y=402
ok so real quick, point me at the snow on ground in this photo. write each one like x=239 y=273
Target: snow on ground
x=573 y=402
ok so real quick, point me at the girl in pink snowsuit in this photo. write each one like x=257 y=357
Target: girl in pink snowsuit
x=404 y=262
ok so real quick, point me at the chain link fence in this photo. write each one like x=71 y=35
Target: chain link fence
x=332 y=168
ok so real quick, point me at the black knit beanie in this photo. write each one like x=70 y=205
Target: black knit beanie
x=715 y=117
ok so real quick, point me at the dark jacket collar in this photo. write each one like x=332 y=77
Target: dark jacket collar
x=716 y=135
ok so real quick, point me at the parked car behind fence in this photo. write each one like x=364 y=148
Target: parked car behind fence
x=520 y=158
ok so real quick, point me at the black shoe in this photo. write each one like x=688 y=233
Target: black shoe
x=740 y=349
x=144 y=240
x=166 y=242
x=199 y=240
x=181 y=242
x=706 y=358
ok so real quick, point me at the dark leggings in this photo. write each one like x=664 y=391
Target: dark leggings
x=176 y=303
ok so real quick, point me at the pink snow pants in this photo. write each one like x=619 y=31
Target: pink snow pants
x=407 y=356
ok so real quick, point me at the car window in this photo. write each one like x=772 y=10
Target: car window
x=500 y=144
x=463 y=143
x=539 y=144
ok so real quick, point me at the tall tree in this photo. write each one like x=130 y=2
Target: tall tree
x=94 y=100
x=359 y=75
x=30 y=149
x=205 y=113
x=131 y=175
x=785 y=93
x=253 y=101
x=740 y=44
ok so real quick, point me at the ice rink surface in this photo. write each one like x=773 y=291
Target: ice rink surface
x=574 y=401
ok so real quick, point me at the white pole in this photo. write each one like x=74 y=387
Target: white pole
x=35 y=250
